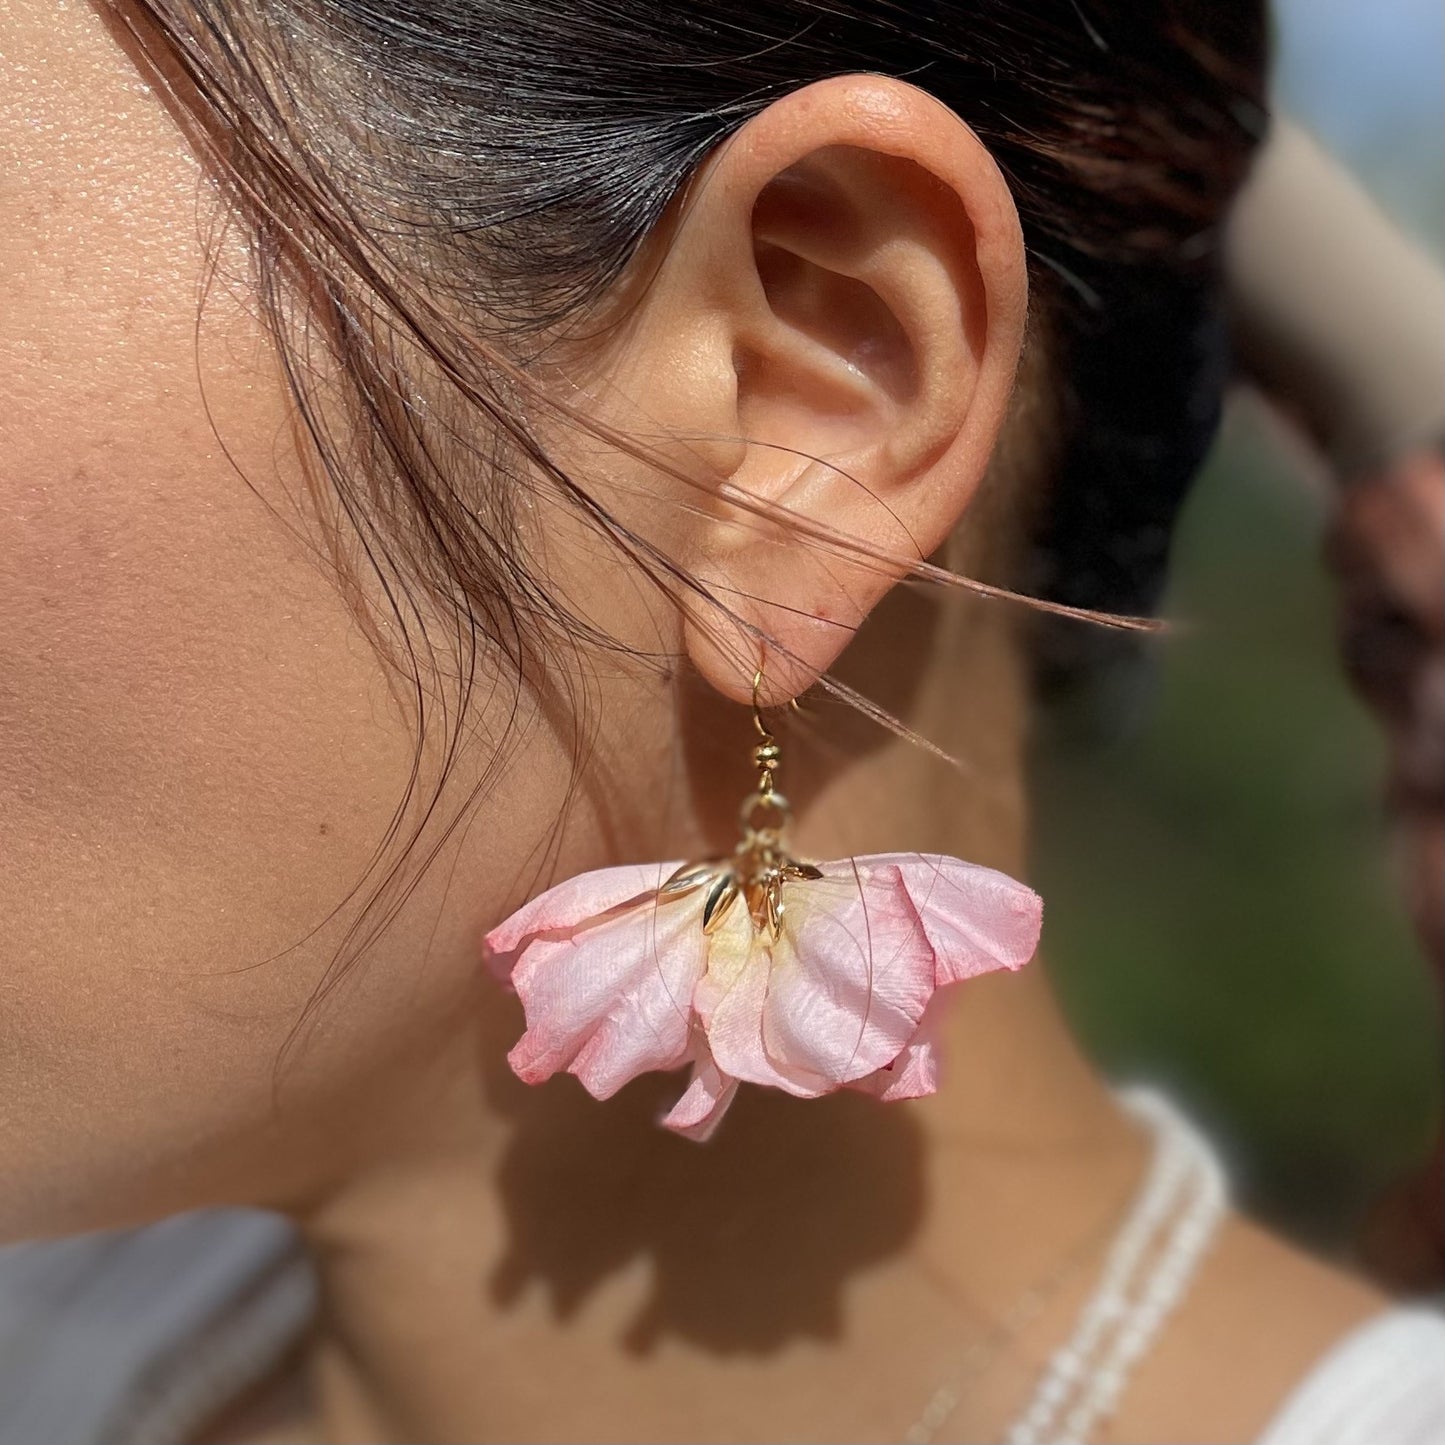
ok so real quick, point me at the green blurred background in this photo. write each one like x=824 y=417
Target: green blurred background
x=1219 y=880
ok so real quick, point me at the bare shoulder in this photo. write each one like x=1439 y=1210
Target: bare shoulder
x=1261 y=1315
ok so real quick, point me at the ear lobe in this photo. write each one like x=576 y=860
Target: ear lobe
x=868 y=259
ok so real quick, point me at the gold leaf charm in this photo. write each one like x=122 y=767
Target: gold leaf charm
x=694 y=875
x=720 y=898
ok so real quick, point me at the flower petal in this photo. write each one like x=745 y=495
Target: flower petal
x=977 y=919
x=613 y=1001
x=729 y=1002
x=705 y=1100
x=916 y=1072
x=575 y=903
x=853 y=971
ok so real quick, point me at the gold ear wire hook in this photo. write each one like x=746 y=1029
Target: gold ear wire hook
x=760 y=865
x=767 y=752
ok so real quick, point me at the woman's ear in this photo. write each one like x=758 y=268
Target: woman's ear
x=844 y=303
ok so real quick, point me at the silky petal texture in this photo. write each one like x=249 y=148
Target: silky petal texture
x=729 y=1002
x=853 y=971
x=614 y=1000
x=574 y=904
x=977 y=919
x=617 y=981
x=704 y=1102
x=917 y=1071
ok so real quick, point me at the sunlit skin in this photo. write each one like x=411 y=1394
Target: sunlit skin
x=201 y=754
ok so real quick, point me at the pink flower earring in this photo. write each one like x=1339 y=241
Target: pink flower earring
x=756 y=967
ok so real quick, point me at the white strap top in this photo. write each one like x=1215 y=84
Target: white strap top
x=137 y=1338
x=1383 y=1384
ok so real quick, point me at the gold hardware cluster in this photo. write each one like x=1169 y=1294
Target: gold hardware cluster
x=760 y=864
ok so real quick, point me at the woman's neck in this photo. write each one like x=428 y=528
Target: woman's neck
x=537 y=1265
x=528 y=1263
